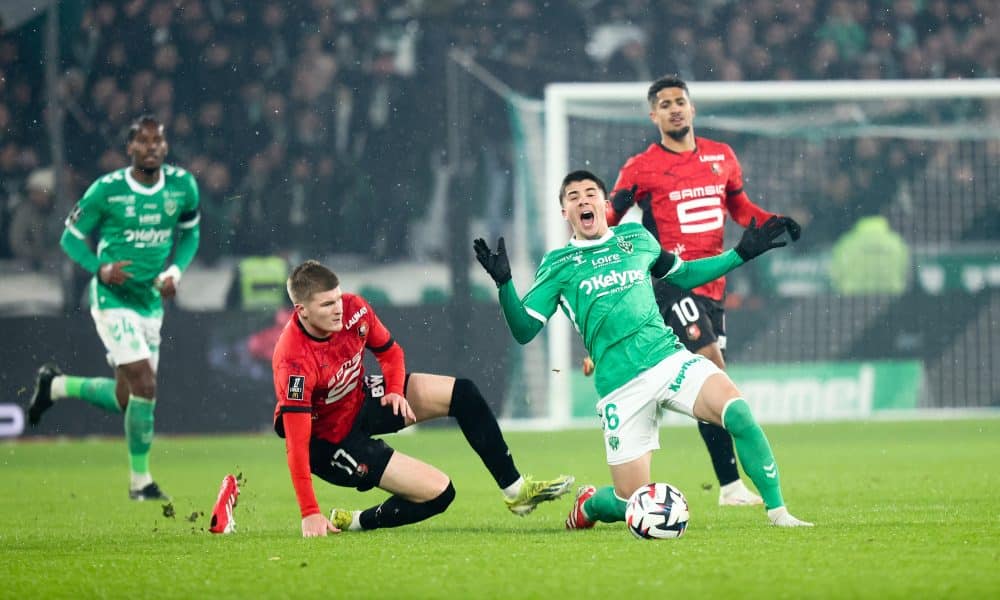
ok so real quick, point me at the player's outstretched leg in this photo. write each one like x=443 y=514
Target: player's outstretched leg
x=52 y=385
x=522 y=494
x=394 y=512
x=41 y=399
x=758 y=460
x=533 y=492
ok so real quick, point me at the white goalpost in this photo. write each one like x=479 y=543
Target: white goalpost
x=789 y=129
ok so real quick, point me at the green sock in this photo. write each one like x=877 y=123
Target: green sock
x=99 y=391
x=139 y=432
x=605 y=506
x=754 y=451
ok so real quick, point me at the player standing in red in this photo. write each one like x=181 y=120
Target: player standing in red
x=685 y=185
x=328 y=410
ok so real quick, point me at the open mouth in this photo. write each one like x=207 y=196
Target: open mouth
x=587 y=218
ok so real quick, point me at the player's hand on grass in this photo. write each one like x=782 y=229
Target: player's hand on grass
x=114 y=273
x=399 y=407
x=317 y=526
x=495 y=263
x=792 y=227
x=758 y=240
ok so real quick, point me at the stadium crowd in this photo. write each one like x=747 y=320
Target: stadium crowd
x=314 y=126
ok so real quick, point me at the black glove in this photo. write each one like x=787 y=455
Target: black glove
x=758 y=240
x=794 y=229
x=623 y=200
x=495 y=263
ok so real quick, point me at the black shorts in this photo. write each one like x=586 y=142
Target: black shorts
x=697 y=320
x=358 y=461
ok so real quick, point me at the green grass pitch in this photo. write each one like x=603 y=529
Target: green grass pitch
x=902 y=510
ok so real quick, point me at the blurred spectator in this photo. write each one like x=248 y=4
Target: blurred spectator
x=871 y=258
x=353 y=92
x=34 y=231
x=842 y=28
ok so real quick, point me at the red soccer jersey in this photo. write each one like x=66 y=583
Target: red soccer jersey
x=324 y=376
x=319 y=385
x=691 y=194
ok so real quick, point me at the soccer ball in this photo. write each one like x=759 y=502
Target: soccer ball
x=657 y=511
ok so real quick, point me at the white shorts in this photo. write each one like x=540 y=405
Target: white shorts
x=630 y=415
x=128 y=336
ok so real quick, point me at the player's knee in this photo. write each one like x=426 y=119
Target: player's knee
x=439 y=504
x=737 y=417
x=143 y=387
x=466 y=399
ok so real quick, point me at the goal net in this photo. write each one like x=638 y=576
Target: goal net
x=923 y=154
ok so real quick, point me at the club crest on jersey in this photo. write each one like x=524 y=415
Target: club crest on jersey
x=170 y=206
x=578 y=258
x=693 y=331
x=357 y=317
x=626 y=247
x=296 y=387
x=716 y=169
x=363 y=330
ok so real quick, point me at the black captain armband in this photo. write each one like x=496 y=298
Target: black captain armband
x=188 y=216
x=663 y=264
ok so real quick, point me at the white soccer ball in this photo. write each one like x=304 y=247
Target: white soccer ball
x=657 y=511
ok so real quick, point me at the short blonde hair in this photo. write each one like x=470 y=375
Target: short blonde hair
x=310 y=278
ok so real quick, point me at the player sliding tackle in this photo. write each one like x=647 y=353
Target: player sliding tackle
x=328 y=413
x=601 y=281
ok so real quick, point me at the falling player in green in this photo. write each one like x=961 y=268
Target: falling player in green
x=138 y=213
x=601 y=280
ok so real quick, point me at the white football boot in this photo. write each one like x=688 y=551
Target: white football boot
x=737 y=494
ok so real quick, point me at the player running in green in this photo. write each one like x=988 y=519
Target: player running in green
x=137 y=212
x=601 y=280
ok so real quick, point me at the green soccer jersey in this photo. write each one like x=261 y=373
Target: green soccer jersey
x=138 y=223
x=604 y=287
